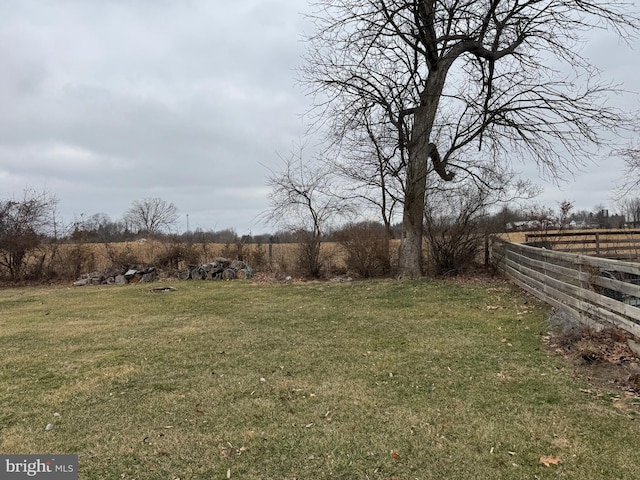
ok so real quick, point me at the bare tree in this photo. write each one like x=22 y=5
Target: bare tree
x=23 y=225
x=631 y=182
x=564 y=214
x=151 y=215
x=369 y=164
x=630 y=209
x=467 y=86
x=303 y=201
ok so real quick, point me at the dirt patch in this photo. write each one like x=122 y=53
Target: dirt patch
x=603 y=357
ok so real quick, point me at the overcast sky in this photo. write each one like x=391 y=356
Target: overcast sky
x=103 y=102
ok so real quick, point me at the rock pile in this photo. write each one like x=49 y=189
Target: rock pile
x=132 y=275
x=220 y=269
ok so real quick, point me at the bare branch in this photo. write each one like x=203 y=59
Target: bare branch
x=489 y=82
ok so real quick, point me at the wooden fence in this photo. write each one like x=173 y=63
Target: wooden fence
x=617 y=244
x=596 y=291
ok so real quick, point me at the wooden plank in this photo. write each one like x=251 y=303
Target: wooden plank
x=617 y=241
x=604 y=263
x=553 y=302
x=560 y=299
x=570 y=304
x=593 y=297
x=557 y=269
x=582 y=277
x=515 y=260
x=571 y=233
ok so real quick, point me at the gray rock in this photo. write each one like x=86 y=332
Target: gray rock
x=149 y=277
x=634 y=346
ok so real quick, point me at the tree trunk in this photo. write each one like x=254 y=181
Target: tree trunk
x=410 y=261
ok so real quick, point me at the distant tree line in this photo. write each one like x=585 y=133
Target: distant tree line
x=31 y=232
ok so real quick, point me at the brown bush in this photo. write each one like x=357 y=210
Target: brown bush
x=66 y=262
x=366 y=249
x=122 y=258
x=175 y=255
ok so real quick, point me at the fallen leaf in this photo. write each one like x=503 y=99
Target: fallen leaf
x=395 y=455
x=230 y=451
x=548 y=461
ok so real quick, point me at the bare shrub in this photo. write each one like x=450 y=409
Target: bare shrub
x=121 y=259
x=452 y=222
x=240 y=249
x=70 y=261
x=174 y=254
x=24 y=224
x=366 y=248
x=226 y=251
x=257 y=257
x=308 y=253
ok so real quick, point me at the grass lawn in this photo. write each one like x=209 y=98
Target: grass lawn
x=363 y=380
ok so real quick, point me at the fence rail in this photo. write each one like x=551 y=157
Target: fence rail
x=618 y=244
x=596 y=291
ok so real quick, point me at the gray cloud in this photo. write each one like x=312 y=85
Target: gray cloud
x=107 y=102
x=104 y=103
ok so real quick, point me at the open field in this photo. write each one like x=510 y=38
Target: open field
x=72 y=260
x=363 y=380
x=68 y=262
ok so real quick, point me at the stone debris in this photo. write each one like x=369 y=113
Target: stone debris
x=220 y=269
x=131 y=275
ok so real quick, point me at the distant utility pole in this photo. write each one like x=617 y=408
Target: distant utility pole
x=187 y=222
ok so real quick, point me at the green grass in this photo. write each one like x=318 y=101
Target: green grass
x=302 y=381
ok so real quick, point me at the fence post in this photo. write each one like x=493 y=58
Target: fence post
x=486 y=249
x=597 y=244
